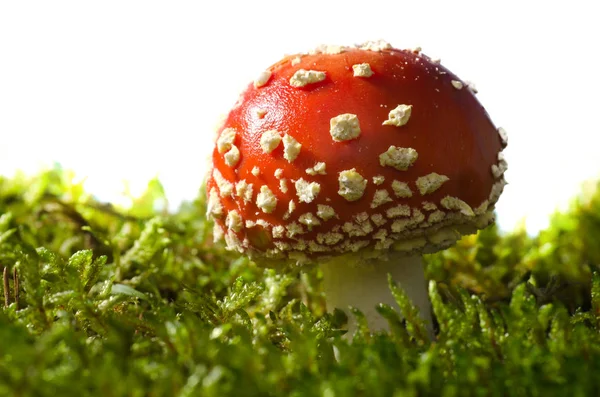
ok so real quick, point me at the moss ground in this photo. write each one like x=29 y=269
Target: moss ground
x=110 y=301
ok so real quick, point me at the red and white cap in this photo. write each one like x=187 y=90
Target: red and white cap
x=366 y=150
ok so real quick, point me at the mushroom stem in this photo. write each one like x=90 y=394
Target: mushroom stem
x=366 y=286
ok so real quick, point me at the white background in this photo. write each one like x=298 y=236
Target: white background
x=129 y=90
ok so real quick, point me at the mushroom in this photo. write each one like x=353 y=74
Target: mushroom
x=358 y=159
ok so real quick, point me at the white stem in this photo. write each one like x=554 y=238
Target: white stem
x=365 y=286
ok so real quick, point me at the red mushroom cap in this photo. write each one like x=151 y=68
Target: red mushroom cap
x=364 y=149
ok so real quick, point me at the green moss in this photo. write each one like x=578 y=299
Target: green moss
x=140 y=302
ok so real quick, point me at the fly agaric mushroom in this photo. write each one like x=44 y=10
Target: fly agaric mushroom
x=359 y=159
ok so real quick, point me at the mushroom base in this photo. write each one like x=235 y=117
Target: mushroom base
x=365 y=286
